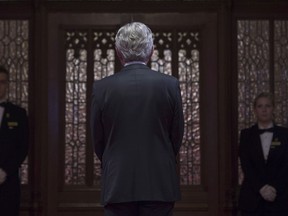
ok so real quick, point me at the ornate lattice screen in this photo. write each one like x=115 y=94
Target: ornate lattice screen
x=14 y=55
x=281 y=71
x=176 y=53
x=262 y=59
x=76 y=102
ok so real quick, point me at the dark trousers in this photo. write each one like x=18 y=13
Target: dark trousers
x=264 y=213
x=249 y=214
x=10 y=197
x=140 y=208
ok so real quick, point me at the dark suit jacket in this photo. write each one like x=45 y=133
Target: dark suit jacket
x=258 y=172
x=137 y=129
x=13 y=151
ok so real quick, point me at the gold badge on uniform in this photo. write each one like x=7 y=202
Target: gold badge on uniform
x=275 y=143
x=12 y=124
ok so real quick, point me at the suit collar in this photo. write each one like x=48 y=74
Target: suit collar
x=134 y=67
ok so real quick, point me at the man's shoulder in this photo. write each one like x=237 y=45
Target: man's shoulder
x=104 y=81
x=281 y=129
x=119 y=75
x=166 y=77
x=14 y=107
x=249 y=130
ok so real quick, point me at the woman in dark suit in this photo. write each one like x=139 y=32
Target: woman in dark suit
x=263 y=153
x=13 y=149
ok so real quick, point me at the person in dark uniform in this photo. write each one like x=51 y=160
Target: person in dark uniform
x=13 y=149
x=137 y=128
x=263 y=153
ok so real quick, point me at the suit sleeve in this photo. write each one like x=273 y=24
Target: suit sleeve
x=177 y=129
x=21 y=142
x=249 y=170
x=97 y=130
x=280 y=180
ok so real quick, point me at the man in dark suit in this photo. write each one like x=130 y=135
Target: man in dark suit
x=13 y=149
x=263 y=155
x=137 y=129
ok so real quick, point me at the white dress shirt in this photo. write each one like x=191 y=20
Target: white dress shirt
x=1 y=111
x=1 y=114
x=266 y=140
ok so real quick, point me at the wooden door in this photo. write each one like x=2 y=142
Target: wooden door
x=80 y=49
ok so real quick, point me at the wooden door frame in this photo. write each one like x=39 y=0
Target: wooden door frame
x=201 y=200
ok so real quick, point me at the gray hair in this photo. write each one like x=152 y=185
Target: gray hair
x=134 y=42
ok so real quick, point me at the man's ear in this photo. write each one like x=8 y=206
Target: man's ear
x=152 y=50
x=120 y=56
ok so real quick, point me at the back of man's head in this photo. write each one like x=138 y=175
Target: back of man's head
x=134 y=42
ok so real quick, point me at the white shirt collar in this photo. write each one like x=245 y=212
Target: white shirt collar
x=268 y=126
x=134 y=62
